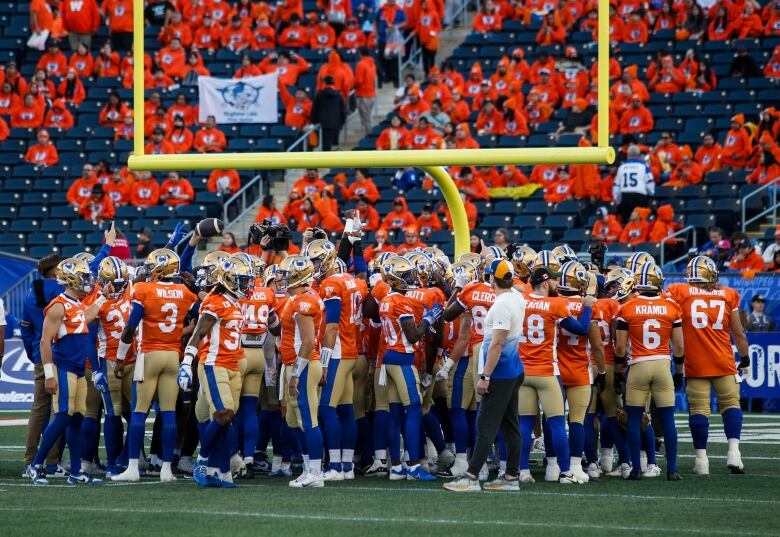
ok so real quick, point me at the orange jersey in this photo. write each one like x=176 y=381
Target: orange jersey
x=222 y=345
x=393 y=309
x=257 y=307
x=112 y=319
x=451 y=331
x=343 y=289
x=424 y=298
x=522 y=286
x=605 y=313
x=75 y=321
x=649 y=322
x=69 y=347
x=706 y=328
x=573 y=360
x=362 y=286
x=539 y=340
x=165 y=306
x=476 y=298
x=309 y=304
x=379 y=292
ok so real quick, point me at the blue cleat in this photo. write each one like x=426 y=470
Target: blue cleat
x=84 y=479
x=214 y=481
x=398 y=475
x=419 y=474
x=199 y=475
x=36 y=475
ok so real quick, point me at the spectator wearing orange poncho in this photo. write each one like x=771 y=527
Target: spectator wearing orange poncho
x=537 y=112
x=709 y=154
x=322 y=36
x=458 y=110
x=637 y=229
x=585 y=178
x=687 y=172
x=664 y=156
x=489 y=120
x=560 y=190
x=668 y=78
x=606 y=228
x=767 y=170
x=327 y=206
x=172 y=58
x=437 y=89
x=343 y=77
x=98 y=207
x=638 y=118
x=737 y=147
x=474 y=187
x=635 y=30
x=380 y=246
x=664 y=226
x=411 y=241
x=368 y=214
x=43 y=153
x=58 y=117
x=352 y=38
x=629 y=77
x=27 y=115
x=423 y=136
x=502 y=78
x=772 y=68
x=399 y=217
x=487 y=19
x=393 y=137
x=362 y=187
x=297 y=109
x=552 y=31
x=289 y=65
x=415 y=108
x=463 y=138
x=428 y=221
x=224 y=182
x=510 y=176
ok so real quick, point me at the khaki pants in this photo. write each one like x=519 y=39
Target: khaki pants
x=161 y=369
x=339 y=388
x=94 y=397
x=71 y=394
x=36 y=423
x=365 y=106
x=650 y=377
x=302 y=410
x=360 y=393
x=608 y=397
x=474 y=366
x=381 y=399
x=579 y=398
x=252 y=379
x=546 y=390
x=437 y=390
x=403 y=385
x=698 y=392
x=460 y=386
x=222 y=387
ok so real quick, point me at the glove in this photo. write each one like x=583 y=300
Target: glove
x=374 y=279
x=619 y=382
x=678 y=381
x=426 y=380
x=600 y=382
x=178 y=233
x=444 y=372
x=433 y=314
x=744 y=362
x=100 y=382
x=185 y=376
x=461 y=279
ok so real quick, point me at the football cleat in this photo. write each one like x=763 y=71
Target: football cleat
x=153 y=470
x=734 y=462
x=419 y=474
x=459 y=468
x=526 y=477
x=621 y=471
x=83 y=479
x=552 y=472
x=185 y=465
x=281 y=472
x=463 y=484
x=89 y=467
x=216 y=482
x=247 y=472
x=701 y=466
x=128 y=475
x=576 y=469
x=200 y=475
x=397 y=475
x=538 y=445
x=55 y=471
x=643 y=461
x=652 y=471
x=570 y=478
x=673 y=476
x=446 y=459
x=236 y=464
x=111 y=471
x=36 y=475
x=262 y=465
x=308 y=481
x=377 y=469
x=333 y=475
x=502 y=484
x=634 y=476
x=349 y=475
x=606 y=460
x=166 y=475
x=594 y=471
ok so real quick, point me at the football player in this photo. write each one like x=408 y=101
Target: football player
x=300 y=318
x=648 y=323
x=64 y=341
x=397 y=313
x=523 y=263
x=544 y=312
x=217 y=341
x=160 y=306
x=710 y=318
x=338 y=355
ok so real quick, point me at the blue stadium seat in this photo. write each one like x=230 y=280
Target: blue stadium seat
x=24 y=226
x=506 y=207
x=536 y=235
x=495 y=220
x=82 y=226
x=36 y=252
x=576 y=235
x=37 y=239
x=527 y=221
x=33 y=211
x=63 y=211
x=698 y=206
x=559 y=221
x=537 y=207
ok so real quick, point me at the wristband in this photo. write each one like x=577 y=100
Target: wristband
x=48 y=371
x=121 y=352
x=275 y=323
x=448 y=363
x=298 y=366
x=190 y=352
x=620 y=359
x=100 y=300
x=325 y=354
x=679 y=359
x=485 y=377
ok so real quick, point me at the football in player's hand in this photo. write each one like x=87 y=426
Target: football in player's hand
x=209 y=227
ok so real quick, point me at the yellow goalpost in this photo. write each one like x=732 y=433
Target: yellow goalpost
x=431 y=161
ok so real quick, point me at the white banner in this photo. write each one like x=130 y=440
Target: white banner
x=239 y=100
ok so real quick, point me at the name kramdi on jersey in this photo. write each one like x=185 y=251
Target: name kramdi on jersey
x=651 y=310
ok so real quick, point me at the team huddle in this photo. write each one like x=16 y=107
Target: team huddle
x=377 y=369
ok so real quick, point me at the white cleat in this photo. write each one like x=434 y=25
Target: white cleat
x=734 y=462
x=166 y=475
x=463 y=484
x=333 y=475
x=236 y=464
x=309 y=481
x=606 y=460
x=445 y=460
x=552 y=472
x=377 y=469
x=701 y=466
x=575 y=465
x=594 y=471
x=624 y=470
x=349 y=476
x=129 y=475
x=571 y=478
x=652 y=471
x=538 y=445
x=643 y=461
x=526 y=477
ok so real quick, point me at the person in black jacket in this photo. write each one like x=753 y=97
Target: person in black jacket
x=330 y=111
x=743 y=65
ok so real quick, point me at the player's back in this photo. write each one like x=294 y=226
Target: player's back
x=477 y=298
x=343 y=288
x=112 y=318
x=166 y=305
x=256 y=308
x=70 y=343
x=573 y=360
x=393 y=309
x=222 y=344
x=539 y=340
x=649 y=321
x=307 y=303
x=706 y=326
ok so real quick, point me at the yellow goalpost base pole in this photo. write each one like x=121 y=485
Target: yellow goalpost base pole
x=460 y=222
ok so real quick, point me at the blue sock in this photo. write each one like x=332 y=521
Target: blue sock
x=700 y=430
x=393 y=431
x=434 y=432
x=168 y=434
x=90 y=428
x=413 y=424
x=576 y=439
x=527 y=439
x=136 y=435
x=619 y=439
x=300 y=437
x=471 y=420
x=549 y=451
x=50 y=435
x=590 y=439
x=634 y=434
x=215 y=449
x=264 y=419
x=732 y=423
x=74 y=441
x=559 y=444
x=112 y=431
x=365 y=444
x=648 y=443
x=460 y=429
x=331 y=429
x=314 y=443
x=250 y=426
x=346 y=415
x=122 y=459
x=209 y=439
x=286 y=444
x=226 y=448
x=605 y=433
x=666 y=415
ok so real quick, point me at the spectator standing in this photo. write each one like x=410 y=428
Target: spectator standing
x=634 y=184
x=757 y=320
x=81 y=19
x=120 y=23
x=144 y=246
x=365 y=88
x=41 y=20
x=390 y=20
x=329 y=110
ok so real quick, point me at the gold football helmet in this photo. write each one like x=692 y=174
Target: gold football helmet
x=523 y=261
x=423 y=265
x=236 y=275
x=437 y=256
x=625 y=288
x=702 y=269
x=459 y=267
x=294 y=271
x=399 y=273
x=339 y=267
x=207 y=273
x=114 y=271
x=650 y=278
x=637 y=260
x=86 y=257
x=614 y=278
x=592 y=289
x=74 y=273
x=546 y=258
x=492 y=252
x=269 y=274
x=161 y=264
x=564 y=253
x=574 y=278
x=322 y=253
x=376 y=263
x=474 y=259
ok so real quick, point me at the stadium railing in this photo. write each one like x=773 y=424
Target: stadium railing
x=683 y=233
x=771 y=208
x=243 y=200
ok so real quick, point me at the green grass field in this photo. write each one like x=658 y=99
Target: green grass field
x=720 y=504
